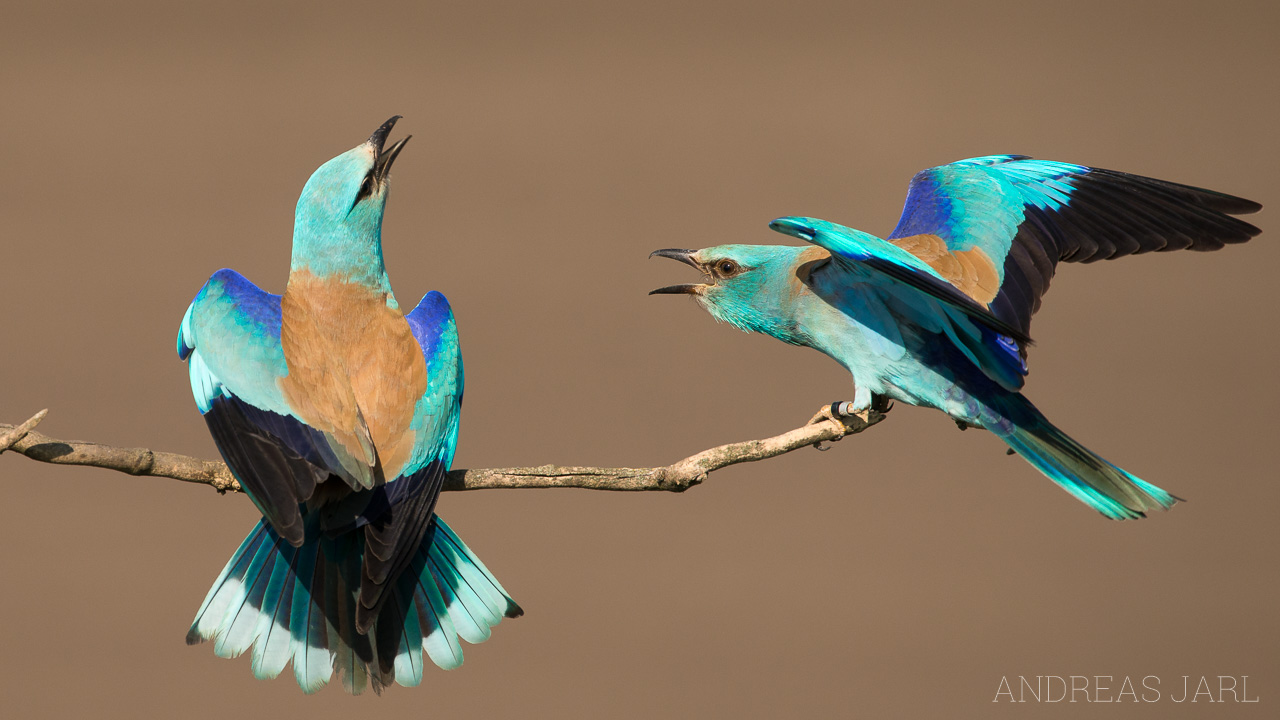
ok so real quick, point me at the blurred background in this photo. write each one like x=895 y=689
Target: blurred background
x=901 y=574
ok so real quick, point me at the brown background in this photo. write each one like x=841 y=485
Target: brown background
x=555 y=144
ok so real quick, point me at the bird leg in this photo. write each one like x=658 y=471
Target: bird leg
x=833 y=413
x=862 y=406
x=836 y=412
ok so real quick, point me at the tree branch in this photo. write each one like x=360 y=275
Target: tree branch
x=677 y=477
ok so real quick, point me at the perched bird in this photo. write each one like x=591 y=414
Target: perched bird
x=939 y=315
x=338 y=414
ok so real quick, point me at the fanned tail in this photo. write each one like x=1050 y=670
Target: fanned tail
x=298 y=604
x=1077 y=469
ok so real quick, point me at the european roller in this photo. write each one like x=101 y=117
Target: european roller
x=338 y=413
x=939 y=314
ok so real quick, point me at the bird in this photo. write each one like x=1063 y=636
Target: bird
x=338 y=414
x=938 y=315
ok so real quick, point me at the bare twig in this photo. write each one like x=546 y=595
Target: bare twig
x=13 y=434
x=676 y=477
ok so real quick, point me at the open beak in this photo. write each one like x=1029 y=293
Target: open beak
x=382 y=165
x=686 y=257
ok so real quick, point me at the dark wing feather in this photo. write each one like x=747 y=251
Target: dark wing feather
x=230 y=337
x=1026 y=215
x=276 y=474
x=948 y=294
x=392 y=540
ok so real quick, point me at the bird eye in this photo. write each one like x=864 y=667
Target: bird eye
x=727 y=268
x=366 y=187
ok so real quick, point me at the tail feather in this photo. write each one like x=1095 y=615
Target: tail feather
x=469 y=614
x=236 y=632
x=312 y=659
x=299 y=604
x=408 y=663
x=404 y=665
x=483 y=580
x=272 y=651
x=439 y=638
x=351 y=650
x=214 y=607
x=1077 y=469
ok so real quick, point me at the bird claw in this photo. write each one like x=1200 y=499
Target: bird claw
x=837 y=412
x=881 y=403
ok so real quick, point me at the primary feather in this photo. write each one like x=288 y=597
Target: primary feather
x=1010 y=219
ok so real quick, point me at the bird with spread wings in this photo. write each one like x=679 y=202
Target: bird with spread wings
x=939 y=314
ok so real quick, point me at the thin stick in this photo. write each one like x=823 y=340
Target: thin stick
x=677 y=477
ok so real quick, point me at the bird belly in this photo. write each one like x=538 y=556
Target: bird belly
x=868 y=354
x=920 y=385
x=903 y=362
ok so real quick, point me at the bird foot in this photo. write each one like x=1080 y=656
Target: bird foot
x=835 y=413
x=881 y=403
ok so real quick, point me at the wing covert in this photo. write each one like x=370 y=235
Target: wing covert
x=230 y=337
x=851 y=246
x=1013 y=218
x=930 y=302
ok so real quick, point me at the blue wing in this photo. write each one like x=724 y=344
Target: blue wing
x=230 y=338
x=1015 y=218
x=920 y=295
x=854 y=246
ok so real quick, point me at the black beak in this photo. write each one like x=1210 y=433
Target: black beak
x=684 y=256
x=379 y=136
x=382 y=165
x=676 y=290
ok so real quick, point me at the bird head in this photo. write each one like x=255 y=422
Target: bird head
x=345 y=197
x=748 y=286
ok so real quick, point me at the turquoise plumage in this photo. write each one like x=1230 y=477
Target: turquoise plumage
x=339 y=416
x=939 y=314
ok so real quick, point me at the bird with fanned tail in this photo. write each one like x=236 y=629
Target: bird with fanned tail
x=338 y=414
x=939 y=314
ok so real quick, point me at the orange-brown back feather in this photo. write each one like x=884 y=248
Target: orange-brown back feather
x=971 y=271
x=355 y=369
